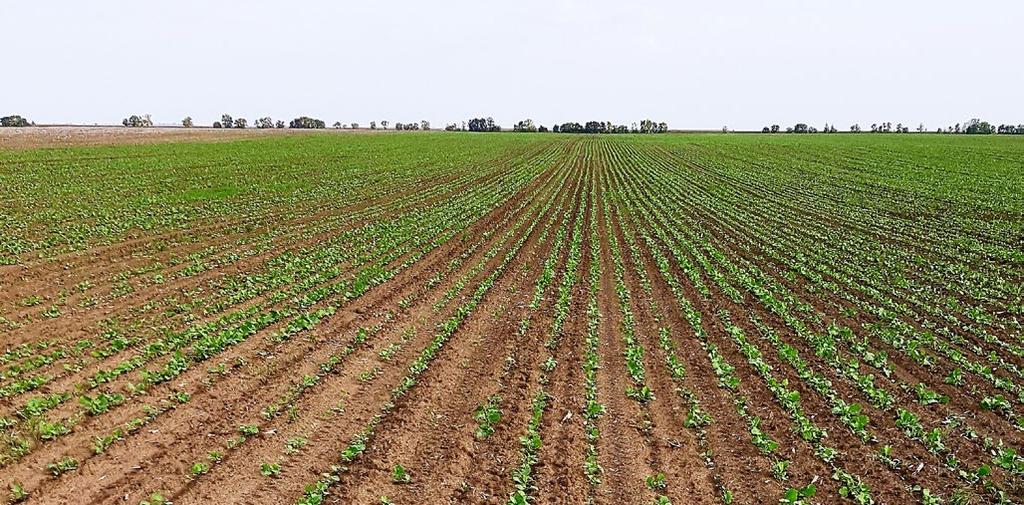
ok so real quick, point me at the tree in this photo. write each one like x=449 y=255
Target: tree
x=279 y=124
x=855 y=128
x=425 y=125
x=525 y=125
x=337 y=125
x=135 y=121
x=13 y=121
x=483 y=125
x=542 y=129
x=979 y=127
x=307 y=123
x=355 y=126
x=241 y=123
x=187 y=122
x=451 y=127
x=571 y=127
x=775 y=128
x=265 y=122
x=216 y=124
x=766 y=130
x=384 y=125
x=648 y=126
x=227 y=120
x=800 y=128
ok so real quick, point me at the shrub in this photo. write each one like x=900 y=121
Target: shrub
x=13 y=121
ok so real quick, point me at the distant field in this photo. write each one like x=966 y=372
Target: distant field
x=514 y=318
x=70 y=136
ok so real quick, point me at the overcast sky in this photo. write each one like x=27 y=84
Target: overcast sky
x=693 y=64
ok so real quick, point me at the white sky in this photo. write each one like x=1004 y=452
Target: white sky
x=693 y=64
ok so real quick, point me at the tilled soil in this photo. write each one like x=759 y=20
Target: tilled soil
x=720 y=364
x=68 y=136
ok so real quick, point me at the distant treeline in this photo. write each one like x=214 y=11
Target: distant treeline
x=527 y=125
x=302 y=122
x=972 y=127
x=226 y=121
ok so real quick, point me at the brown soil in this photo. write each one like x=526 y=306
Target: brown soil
x=66 y=136
x=310 y=397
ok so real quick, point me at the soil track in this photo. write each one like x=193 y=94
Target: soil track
x=591 y=320
x=68 y=136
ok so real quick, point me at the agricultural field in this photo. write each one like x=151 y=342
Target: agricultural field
x=514 y=319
